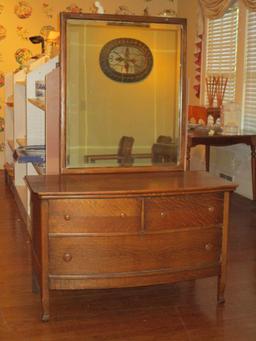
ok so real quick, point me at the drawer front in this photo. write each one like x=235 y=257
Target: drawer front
x=94 y=215
x=150 y=253
x=179 y=211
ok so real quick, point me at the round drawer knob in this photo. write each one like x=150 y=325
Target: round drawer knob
x=122 y=215
x=211 y=209
x=208 y=247
x=67 y=217
x=162 y=214
x=67 y=257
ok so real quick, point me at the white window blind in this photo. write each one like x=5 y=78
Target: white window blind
x=221 y=50
x=250 y=75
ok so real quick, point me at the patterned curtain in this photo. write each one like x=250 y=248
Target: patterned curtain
x=211 y=9
x=214 y=9
x=198 y=51
x=251 y=4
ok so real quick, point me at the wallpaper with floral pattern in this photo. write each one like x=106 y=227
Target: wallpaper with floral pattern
x=20 y=19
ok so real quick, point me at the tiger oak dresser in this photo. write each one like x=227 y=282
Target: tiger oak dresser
x=123 y=230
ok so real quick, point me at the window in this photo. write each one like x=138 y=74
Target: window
x=221 y=49
x=249 y=106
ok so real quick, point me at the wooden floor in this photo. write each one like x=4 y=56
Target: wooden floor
x=184 y=311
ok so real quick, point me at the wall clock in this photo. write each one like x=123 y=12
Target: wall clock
x=126 y=60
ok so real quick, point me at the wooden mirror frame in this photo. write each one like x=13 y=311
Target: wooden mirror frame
x=64 y=17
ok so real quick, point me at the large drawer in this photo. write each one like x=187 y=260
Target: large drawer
x=94 y=215
x=192 y=210
x=151 y=253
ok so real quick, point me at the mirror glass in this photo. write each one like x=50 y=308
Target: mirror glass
x=123 y=94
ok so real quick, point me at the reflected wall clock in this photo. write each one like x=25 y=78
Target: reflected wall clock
x=126 y=60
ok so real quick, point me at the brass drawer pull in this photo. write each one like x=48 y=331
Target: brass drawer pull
x=67 y=257
x=208 y=247
x=122 y=215
x=67 y=217
x=211 y=209
x=162 y=214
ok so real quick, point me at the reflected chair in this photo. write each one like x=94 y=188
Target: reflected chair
x=164 y=139
x=124 y=154
x=164 y=151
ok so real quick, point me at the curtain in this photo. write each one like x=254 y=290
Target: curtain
x=211 y=9
x=214 y=9
x=198 y=51
x=251 y=4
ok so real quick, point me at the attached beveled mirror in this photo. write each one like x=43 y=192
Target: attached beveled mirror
x=123 y=93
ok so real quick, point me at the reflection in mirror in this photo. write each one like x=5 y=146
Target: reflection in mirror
x=122 y=94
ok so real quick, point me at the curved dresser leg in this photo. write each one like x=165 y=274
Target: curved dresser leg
x=45 y=304
x=221 y=290
x=35 y=285
x=45 y=317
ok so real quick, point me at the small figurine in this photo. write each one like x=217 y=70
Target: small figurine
x=210 y=121
x=98 y=7
x=218 y=122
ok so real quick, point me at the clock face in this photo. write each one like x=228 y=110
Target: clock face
x=126 y=60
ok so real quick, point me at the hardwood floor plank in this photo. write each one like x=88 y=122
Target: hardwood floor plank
x=185 y=311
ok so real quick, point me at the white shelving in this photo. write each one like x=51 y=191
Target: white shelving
x=26 y=120
x=9 y=117
x=35 y=106
x=19 y=124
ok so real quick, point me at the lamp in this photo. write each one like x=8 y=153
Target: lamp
x=53 y=35
x=52 y=43
x=38 y=40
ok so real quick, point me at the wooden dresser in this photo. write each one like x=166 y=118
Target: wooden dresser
x=122 y=230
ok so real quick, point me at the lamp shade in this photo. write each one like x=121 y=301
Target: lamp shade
x=53 y=35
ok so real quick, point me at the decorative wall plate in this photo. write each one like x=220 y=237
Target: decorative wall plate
x=126 y=60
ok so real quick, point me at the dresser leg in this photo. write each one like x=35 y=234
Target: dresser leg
x=45 y=317
x=45 y=304
x=35 y=285
x=221 y=290
x=224 y=251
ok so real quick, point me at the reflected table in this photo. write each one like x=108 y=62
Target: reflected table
x=224 y=140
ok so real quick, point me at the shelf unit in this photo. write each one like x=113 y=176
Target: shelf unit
x=26 y=119
x=37 y=102
x=22 y=142
x=9 y=129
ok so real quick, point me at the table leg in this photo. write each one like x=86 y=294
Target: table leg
x=253 y=164
x=207 y=158
x=188 y=158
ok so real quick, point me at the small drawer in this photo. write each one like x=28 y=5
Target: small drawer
x=183 y=211
x=94 y=215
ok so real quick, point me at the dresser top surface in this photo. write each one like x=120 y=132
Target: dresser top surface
x=126 y=184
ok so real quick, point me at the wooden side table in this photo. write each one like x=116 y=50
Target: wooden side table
x=224 y=140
